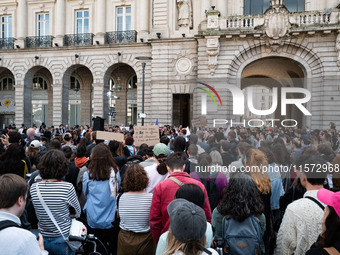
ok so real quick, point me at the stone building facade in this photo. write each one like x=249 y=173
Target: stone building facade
x=67 y=61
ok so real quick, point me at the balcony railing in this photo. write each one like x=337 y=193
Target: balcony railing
x=78 y=39
x=128 y=36
x=7 y=43
x=39 y=41
x=305 y=21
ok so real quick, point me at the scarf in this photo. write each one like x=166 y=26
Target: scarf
x=79 y=162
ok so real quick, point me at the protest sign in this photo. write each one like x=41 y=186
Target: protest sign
x=146 y=134
x=102 y=135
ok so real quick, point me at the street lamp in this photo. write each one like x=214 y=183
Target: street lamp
x=143 y=86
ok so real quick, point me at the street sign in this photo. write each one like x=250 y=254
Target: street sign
x=142 y=115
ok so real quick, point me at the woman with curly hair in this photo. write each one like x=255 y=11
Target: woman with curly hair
x=256 y=163
x=100 y=186
x=134 y=209
x=241 y=199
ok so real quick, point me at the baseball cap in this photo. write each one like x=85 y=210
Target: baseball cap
x=35 y=144
x=187 y=220
x=161 y=148
x=330 y=198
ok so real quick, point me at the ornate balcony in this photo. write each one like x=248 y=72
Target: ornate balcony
x=78 y=40
x=258 y=24
x=128 y=36
x=7 y=43
x=39 y=41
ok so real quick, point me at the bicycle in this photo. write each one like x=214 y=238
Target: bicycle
x=88 y=239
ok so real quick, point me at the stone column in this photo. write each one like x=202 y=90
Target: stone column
x=205 y=6
x=19 y=102
x=101 y=22
x=144 y=16
x=60 y=104
x=222 y=7
x=60 y=25
x=86 y=118
x=22 y=23
x=98 y=100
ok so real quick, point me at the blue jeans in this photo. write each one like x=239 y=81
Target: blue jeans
x=57 y=246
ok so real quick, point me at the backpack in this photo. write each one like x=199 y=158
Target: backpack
x=212 y=191
x=8 y=223
x=242 y=238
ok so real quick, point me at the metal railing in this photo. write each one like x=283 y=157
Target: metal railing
x=78 y=39
x=7 y=43
x=39 y=41
x=114 y=37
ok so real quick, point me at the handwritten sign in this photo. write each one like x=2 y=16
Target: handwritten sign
x=146 y=134
x=200 y=121
x=102 y=135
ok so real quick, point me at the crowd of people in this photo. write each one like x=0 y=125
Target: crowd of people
x=198 y=191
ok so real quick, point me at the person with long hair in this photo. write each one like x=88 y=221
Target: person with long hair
x=329 y=239
x=117 y=152
x=134 y=209
x=158 y=171
x=188 y=225
x=240 y=200
x=255 y=162
x=100 y=186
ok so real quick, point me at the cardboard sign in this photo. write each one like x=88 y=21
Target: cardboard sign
x=102 y=135
x=200 y=121
x=146 y=134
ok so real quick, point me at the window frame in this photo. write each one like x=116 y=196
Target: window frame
x=123 y=15
x=83 y=18
x=8 y=24
x=43 y=86
x=2 y=84
x=45 y=22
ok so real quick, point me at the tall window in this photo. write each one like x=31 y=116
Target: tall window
x=295 y=5
x=43 y=24
x=253 y=7
x=124 y=18
x=82 y=22
x=6 y=26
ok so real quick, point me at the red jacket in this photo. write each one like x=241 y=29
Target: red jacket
x=163 y=195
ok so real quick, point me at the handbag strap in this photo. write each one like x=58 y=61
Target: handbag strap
x=332 y=251
x=178 y=182
x=48 y=211
x=317 y=202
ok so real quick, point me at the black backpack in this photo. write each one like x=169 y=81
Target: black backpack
x=212 y=191
x=8 y=223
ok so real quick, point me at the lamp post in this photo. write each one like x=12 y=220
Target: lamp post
x=143 y=83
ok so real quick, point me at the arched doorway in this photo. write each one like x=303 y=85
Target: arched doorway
x=120 y=106
x=267 y=73
x=38 y=96
x=77 y=92
x=7 y=97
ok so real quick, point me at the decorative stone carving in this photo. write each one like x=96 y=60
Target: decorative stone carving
x=184 y=13
x=212 y=17
x=213 y=49
x=276 y=22
x=183 y=65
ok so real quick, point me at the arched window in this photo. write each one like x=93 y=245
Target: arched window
x=6 y=84
x=132 y=82
x=74 y=83
x=39 y=83
x=253 y=7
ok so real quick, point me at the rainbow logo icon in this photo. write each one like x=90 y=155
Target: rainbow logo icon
x=209 y=93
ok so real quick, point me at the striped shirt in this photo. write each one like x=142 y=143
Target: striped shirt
x=57 y=196
x=134 y=210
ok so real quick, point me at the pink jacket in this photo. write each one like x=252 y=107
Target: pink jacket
x=163 y=195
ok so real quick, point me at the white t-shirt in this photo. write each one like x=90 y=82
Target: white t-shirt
x=154 y=177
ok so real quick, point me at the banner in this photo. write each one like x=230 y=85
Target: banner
x=102 y=135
